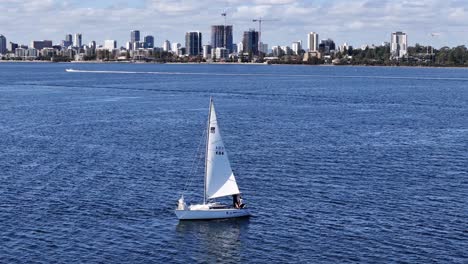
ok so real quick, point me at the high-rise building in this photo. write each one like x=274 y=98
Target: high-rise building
x=313 y=42
x=250 y=42
x=221 y=37
x=3 y=44
x=193 y=43
x=176 y=46
x=240 y=47
x=12 y=47
x=135 y=36
x=166 y=46
x=206 y=51
x=92 y=45
x=399 y=45
x=296 y=47
x=326 y=46
x=149 y=42
x=263 y=47
x=78 y=40
x=110 y=44
x=69 y=38
x=129 y=46
x=40 y=44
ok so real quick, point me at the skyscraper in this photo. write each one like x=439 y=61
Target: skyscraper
x=135 y=36
x=3 y=44
x=221 y=37
x=69 y=38
x=312 y=38
x=193 y=43
x=78 y=40
x=250 y=42
x=296 y=47
x=167 y=45
x=149 y=42
x=399 y=45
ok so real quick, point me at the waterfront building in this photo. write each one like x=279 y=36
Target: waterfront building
x=134 y=36
x=234 y=48
x=296 y=47
x=277 y=51
x=40 y=44
x=110 y=44
x=221 y=37
x=250 y=42
x=78 y=40
x=12 y=47
x=149 y=42
x=221 y=53
x=287 y=50
x=312 y=39
x=129 y=46
x=240 y=47
x=175 y=47
x=92 y=45
x=3 y=44
x=263 y=48
x=166 y=46
x=399 y=45
x=193 y=43
x=327 y=46
x=207 y=51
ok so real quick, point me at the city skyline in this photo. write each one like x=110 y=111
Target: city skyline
x=359 y=23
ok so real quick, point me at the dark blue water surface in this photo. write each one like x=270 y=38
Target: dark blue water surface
x=337 y=164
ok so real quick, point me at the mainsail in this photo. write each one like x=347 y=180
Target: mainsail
x=220 y=180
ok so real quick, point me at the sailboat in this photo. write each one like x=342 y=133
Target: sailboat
x=219 y=181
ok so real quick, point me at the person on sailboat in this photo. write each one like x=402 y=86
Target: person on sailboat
x=237 y=201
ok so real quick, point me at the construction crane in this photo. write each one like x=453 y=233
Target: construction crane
x=260 y=20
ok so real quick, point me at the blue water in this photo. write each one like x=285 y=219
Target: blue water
x=337 y=164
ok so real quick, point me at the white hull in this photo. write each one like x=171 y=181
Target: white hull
x=211 y=214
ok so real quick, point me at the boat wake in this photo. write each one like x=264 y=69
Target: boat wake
x=277 y=75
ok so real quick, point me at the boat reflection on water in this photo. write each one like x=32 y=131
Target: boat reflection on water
x=216 y=240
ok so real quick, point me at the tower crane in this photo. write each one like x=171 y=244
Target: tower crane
x=260 y=20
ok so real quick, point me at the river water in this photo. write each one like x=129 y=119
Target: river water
x=337 y=164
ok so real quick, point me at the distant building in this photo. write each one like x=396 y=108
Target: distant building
x=399 y=45
x=207 y=51
x=234 y=48
x=221 y=53
x=110 y=44
x=12 y=47
x=296 y=47
x=134 y=36
x=221 y=37
x=92 y=45
x=40 y=44
x=250 y=42
x=149 y=42
x=240 y=47
x=166 y=46
x=3 y=44
x=129 y=45
x=78 y=40
x=312 y=39
x=263 y=48
x=193 y=43
x=176 y=46
x=327 y=46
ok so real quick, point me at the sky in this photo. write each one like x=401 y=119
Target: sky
x=356 y=22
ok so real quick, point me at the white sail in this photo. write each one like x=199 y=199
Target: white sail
x=220 y=180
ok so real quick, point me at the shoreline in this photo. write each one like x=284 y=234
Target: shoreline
x=230 y=63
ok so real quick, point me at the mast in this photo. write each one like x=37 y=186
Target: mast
x=206 y=151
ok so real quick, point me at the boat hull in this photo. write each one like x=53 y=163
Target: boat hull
x=211 y=214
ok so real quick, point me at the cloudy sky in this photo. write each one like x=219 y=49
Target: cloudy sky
x=356 y=22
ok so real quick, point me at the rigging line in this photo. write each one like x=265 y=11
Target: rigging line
x=194 y=166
